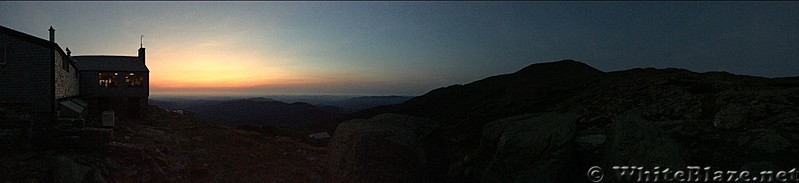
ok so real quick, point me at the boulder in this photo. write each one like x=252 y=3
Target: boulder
x=637 y=142
x=769 y=141
x=385 y=148
x=590 y=142
x=94 y=176
x=527 y=148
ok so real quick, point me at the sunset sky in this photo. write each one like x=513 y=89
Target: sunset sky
x=409 y=48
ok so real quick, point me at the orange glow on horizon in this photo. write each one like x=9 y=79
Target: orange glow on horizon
x=220 y=63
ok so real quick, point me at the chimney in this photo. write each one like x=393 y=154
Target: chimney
x=52 y=34
x=141 y=49
x=69 y=53
x=141 y=54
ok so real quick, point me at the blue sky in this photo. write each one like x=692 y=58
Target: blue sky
x=409 y=48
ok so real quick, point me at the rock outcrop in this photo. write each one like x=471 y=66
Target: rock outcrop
x=636 y=142
x=527 y=148
x=67 y=171
x=385 y=148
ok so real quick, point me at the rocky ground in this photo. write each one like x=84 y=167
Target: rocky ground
x=168 y=147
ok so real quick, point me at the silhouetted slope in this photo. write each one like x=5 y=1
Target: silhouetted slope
x=702 y=112
x=466 y=107
x=360 y=103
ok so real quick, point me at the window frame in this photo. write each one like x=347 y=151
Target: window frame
x=134 y=80
x=112 y=78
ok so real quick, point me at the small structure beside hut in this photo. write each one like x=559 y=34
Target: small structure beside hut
x=317 y=138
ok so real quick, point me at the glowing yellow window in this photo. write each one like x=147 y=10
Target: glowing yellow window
x=134 y=79
x=108 y=79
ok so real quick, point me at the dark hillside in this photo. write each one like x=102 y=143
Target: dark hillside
x=714 y=118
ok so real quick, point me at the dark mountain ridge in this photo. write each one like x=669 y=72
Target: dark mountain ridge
x=315 y=112
x=716 y=113
x=364 y=102
x=263 y=111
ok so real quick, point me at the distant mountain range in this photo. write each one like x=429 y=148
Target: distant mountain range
x=360 y=103
x=263 y=111
x=325 y=112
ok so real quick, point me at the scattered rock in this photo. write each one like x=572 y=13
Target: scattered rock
x=770 y=141
x=96 y=138
x=590 y=142
x=788 y=117
x=122 y=145
x=177 y=167
x=670 y=122
x=198 y=138
x=199 y=151
x=112 y=164
x=68 y=171
x=131 y=173
x=94 y=176
x=8 y=164
x=731 y=116
x=10 y=139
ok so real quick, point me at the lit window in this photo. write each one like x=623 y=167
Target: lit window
x=108 y=79
x=134 y=79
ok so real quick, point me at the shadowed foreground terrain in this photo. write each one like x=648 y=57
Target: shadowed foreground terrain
x=173 y=147
x=169 y=147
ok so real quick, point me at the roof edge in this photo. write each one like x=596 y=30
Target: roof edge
x=105 y=56
x=27 y=37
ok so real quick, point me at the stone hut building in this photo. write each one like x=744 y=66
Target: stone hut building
x=118 y=83
x=37 y=76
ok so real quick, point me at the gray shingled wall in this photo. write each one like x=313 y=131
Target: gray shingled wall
x=25 y=78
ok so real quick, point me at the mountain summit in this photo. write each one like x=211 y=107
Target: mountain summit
x=552 y=121
x=564 y=69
